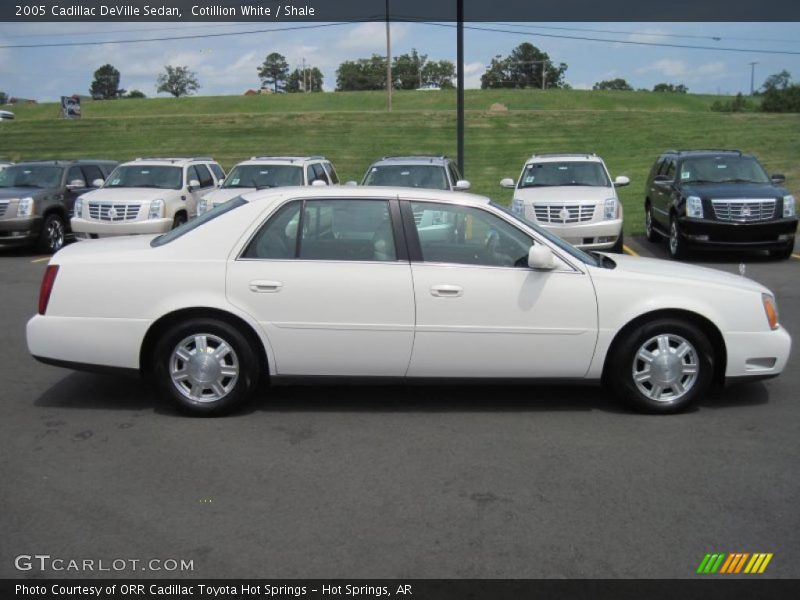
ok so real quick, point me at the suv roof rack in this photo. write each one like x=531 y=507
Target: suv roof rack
x=699 y=150
x=557 y=154
x=174 y=158
x=431 y=157
x=288 y=158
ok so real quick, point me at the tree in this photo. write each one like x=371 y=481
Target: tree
x=613 y=84
x=778 y=81
x=106 y=84
x=135 y=94
x=178 y=81
x=3 y=98
x=780 y=94
x=407 y=70
x=362 y=74
x=313 y=80
x=439 y=73
x=274 y=71
x=670 y=88
x=524 y=67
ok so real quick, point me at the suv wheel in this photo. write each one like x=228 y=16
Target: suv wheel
x=179 y=220
x=652 y=235
x=662 y=367
x=619 y=246
x=677 y=245
x=51 y=238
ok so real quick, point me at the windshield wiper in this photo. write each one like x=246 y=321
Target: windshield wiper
x=263 y=187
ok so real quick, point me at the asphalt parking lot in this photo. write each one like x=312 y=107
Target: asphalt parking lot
x=404 y=482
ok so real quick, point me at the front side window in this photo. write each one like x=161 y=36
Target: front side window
x=331 y=172
x=468 y=236
x=31 y=176
x=432 y=177
x=75 y=174
x=146 y=176
x=564 y=173
x=263 y=176
x=217 y=170
x=723 y=169
x=342 y=230
x=204 y=176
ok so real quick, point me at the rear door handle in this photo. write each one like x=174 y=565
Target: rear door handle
x=265 y=287
x=447 y=291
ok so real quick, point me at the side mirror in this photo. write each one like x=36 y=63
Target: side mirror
x=351 y=183
x=621 y=181
x=98 y=182
x=777 y=178
x=507 y=183
x=220 y=182
x=462 y=185
x=541 y=258
x=193 y=185
x=76 y=184
x=319 y=183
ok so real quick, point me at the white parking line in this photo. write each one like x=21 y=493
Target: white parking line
x=795 y=255
x=38 y=260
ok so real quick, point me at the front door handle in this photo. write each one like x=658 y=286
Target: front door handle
x=447 y=291
x=265 y=287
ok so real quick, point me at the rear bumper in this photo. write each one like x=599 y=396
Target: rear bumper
x=107 y=229
x=757 y=355
x=585 y=235
x=755 y=236
x=20 y=231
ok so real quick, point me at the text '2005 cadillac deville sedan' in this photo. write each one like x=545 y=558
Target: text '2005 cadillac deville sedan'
x=394 y=283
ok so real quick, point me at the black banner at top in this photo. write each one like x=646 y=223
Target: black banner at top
x=399 y=10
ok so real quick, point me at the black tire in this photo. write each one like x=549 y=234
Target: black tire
x=624 y=364
x=619 y=245
x=676 y=243
x=205 y=401
x=649 y=227
x=51 y=238
x=180 y=219
x=783 y=253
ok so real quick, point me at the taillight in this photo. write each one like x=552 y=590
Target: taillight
x=47 y=287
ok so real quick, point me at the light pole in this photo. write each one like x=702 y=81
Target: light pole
x=388 y=61
x=460 y=84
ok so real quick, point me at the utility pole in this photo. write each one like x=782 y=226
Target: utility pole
x=388 y=61
x=753 y=77
x=544 y=76
x=460 y=85
x=305 y=87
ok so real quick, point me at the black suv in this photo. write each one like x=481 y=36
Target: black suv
x=718 y=199
x=36 y=199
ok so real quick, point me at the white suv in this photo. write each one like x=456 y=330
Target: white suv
x=571 y=195
x=261 y=172
x=146 y=195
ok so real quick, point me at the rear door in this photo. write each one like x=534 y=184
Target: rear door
x=330 y=284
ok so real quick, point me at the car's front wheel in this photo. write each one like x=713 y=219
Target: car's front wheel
x=662 y=367
x=677 y=243
x=649 y=230
x=205 y=366
x=51 y=238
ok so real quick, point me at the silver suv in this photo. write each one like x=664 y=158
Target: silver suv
x=432 y=172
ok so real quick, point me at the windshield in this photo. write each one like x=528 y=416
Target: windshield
x=197 y=222
x=31 y=176
x=262 y=176
x=564 y=173
x=145 y=176
x=431 y=177
x=582 y=256
x=723 y=169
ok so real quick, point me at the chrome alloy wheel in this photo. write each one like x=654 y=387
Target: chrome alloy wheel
x=204 y=367
x=665 y=367
x=673 y=237
x=55 y=234
x=648 y=222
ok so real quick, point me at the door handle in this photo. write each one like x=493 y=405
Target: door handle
x=447 y=291
x=265 y=287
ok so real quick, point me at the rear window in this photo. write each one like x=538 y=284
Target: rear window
x=198 y=222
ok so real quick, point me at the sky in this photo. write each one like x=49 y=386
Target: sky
x=227 y=64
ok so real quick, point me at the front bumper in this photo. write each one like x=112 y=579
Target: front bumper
x=755 y=236
x=20 y=230
x=108 y=229
x=587 y=235
x=757 y=355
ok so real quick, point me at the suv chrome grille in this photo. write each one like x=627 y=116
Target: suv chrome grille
x=744 y=210
x=564 y=213
x=107 y=211
x=3 y=207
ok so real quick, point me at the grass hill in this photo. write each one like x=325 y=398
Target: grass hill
x=627 y=128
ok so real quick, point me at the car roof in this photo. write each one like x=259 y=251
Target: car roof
x=280 y=159
x=419 y=159
x=706 y=152
x=366 y=193
x=178 y=161
x=560 y=156
x=67 y=162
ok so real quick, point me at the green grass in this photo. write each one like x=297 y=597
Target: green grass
x=627 y=129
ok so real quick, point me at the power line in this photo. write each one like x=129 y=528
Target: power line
x=106 y=31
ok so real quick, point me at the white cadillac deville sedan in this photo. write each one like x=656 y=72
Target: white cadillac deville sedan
x=394 y=283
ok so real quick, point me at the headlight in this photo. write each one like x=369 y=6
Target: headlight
x=516 y=206
x=25 y=208
x=611 y=209
x=156 y=209
x=694 y=207
x=788 y=206
x=77 y=208
x=771 y=310
x=202 y=206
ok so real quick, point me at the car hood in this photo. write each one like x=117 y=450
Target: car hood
x=22 y=192
x=126 y=194
x=673 y=272
x=733 y=190
x=224 y=194
x=561 y=194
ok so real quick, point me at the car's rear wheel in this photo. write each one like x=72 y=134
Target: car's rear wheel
x=51 y=238
x=652 y=234
x=205 y=366
x=677 y=244
x=662 y=367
